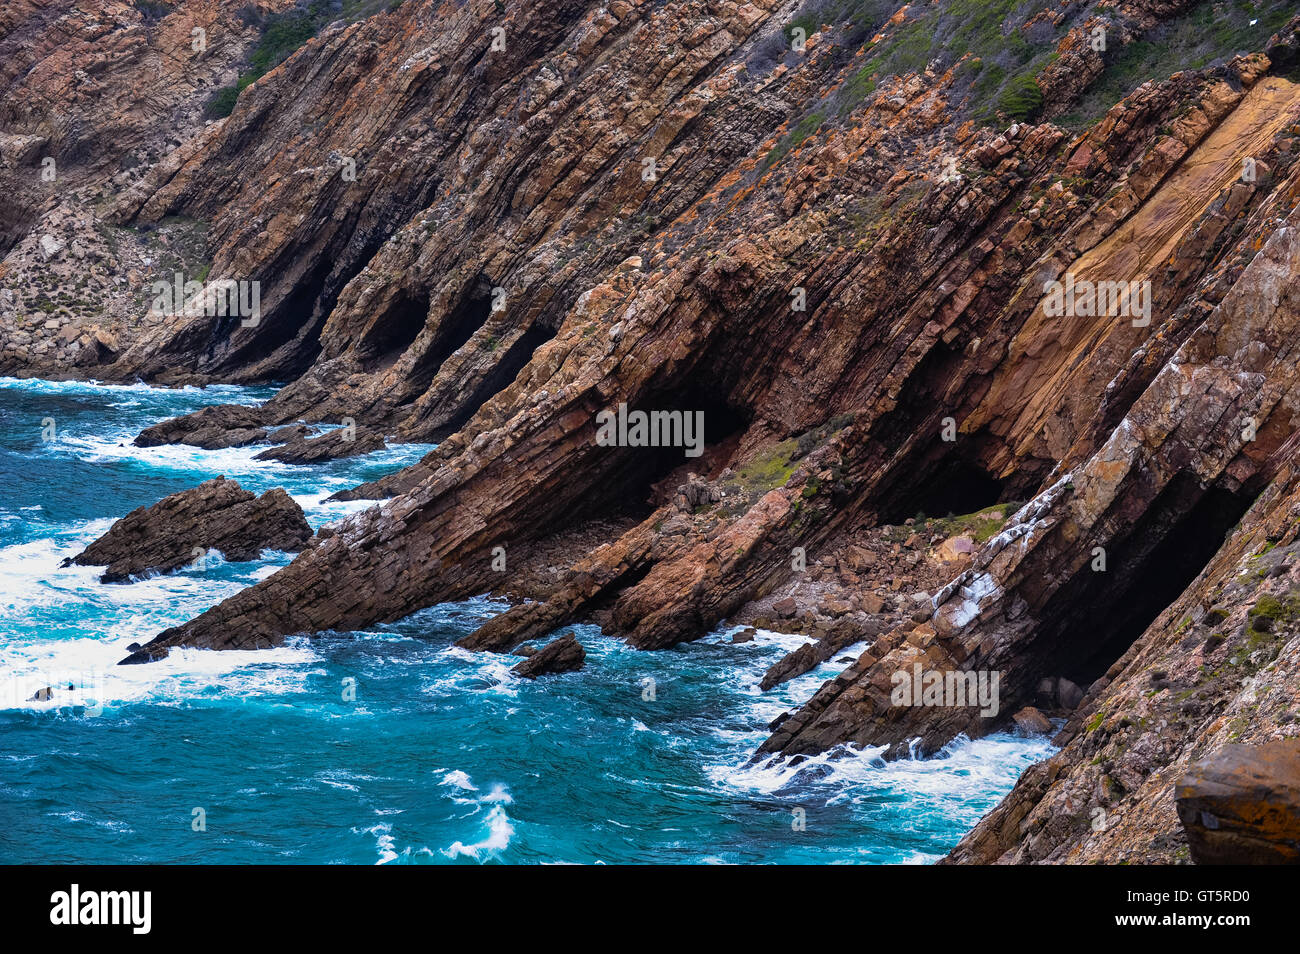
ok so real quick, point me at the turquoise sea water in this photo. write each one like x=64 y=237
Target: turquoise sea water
x=442 y=756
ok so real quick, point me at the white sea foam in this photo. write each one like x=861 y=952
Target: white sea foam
x=499 y=832
x=498 y=829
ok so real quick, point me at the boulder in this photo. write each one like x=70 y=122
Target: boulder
x=785 y=608
x=217 y=514
x=560 y=655
x=1241 y=805
x=1032 y=722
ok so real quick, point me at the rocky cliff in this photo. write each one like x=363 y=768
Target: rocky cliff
x=862 y=243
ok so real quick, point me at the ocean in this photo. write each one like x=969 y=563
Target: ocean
x=389 y=745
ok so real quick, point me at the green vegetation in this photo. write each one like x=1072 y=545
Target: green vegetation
x=861 y=85
x=1204 y=35
x=222 y=102
x=980 y=526
x=770 y=470
x=1000 y=58
x=805 y=128
x=1021 y=99
x=283 y=34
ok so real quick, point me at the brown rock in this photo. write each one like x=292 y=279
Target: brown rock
x=217 y=514
x=785 y=608
x=560 y=655
x=1241 y=805
x=1029 y=720
x=336 y=445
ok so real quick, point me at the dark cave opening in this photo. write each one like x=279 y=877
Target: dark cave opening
x=954 y=487
x=1100 y=614
x=626 y=487
x=389 y=336
x=467 y=316
x=502 y=374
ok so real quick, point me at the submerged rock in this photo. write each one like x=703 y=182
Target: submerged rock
x=1241 y=805
x=561 y=655
x=218 y=514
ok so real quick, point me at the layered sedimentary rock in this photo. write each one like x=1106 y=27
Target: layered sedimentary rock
x=487 y=239
x=93 y=95
x=218 y=514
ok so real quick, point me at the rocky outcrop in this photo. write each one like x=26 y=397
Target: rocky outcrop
x=222 y=425
x=94 y=95
x=837 y=259
x=1241 y=805
x=335 y=445
x=216 y=515
x=564 y=654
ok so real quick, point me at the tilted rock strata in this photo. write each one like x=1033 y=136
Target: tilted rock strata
x=218 y=514
x=502 y=270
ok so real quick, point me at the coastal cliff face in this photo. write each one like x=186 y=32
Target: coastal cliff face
x=863 y=252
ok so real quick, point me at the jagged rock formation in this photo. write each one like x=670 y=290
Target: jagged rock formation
x=332 y=446
x=665 y=206
x=218 y=514
x=93 y=94
x=564 y=654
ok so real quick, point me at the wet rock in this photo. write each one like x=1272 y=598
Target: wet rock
x=335 y=445
x=1032 y=722
x=1241 y=805
x=560 y=655
x=844 y=632
x=745 y=635
x=217 y=514
x=212 y=428
x=290 y=432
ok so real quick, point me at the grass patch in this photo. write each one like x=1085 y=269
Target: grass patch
x=805 y=128
x=770 y=470
x=981 y=526
x=1206 y=35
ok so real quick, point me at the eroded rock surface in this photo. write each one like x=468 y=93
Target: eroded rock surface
x=1241 y=805
x=218 y=514
x=841 y=260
